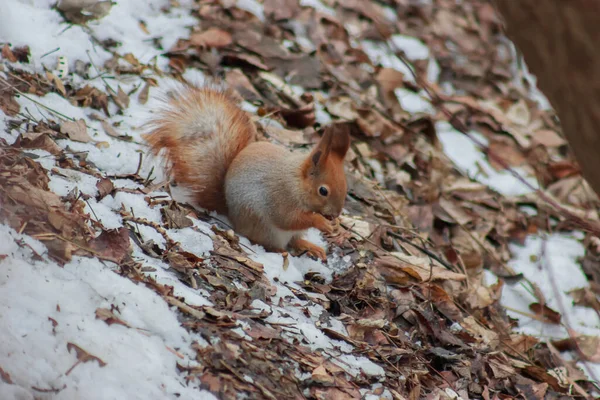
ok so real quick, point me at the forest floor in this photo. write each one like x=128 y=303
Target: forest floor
x=466 y=264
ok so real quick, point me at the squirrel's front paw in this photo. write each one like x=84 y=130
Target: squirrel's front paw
x=304 y=246
x=323 y=224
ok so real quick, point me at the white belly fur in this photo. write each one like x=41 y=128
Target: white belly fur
x=282 y=238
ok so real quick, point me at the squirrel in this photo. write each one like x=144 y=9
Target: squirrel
x=270 y=195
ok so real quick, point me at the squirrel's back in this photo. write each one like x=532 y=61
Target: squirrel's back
x=201 y=131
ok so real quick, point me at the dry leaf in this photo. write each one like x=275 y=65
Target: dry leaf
x=112 y=244
x=213 y=37
x=105 y=187
x=82 y=357
x=109 y=317
x=548 y=138
x=8 y=54
x=76 y=130
x=57 y=82
x=321 y=376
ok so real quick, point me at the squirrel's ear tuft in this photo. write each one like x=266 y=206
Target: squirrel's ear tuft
x=340 y=142
x=321 y=151
x=316 y=157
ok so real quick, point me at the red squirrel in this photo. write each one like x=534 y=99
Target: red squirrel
x=270 y=195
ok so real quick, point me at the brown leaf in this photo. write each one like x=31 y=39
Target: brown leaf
x=244 y=58
x=81 y=11
x=321 y=376
x=563 y=169
x=281 y=9
x=8 y=54
x=144 y=93
x=38 y=141
x=89 y=96
x=176 y=217
x=22 y=53
x=8 y=104
x=508 y=153
x=585 y=297
x=105 y=187
x=112 y=244
x=548 y=138
x=76 y=130
x=237 y=80
x=480 y=333
x=109 y=317
x=390 y=79
x=112 y=132
x=30 y=196
x=179 y=262
x=500 y=370
x=212 y=37
x=121 y=99
x=373 y=124
x=82 y=357
x=299 y=118
x=546 y=313
x=57 y=82
x=260 y=331
x=5 y=377
x=130 y=58
x=396 y=265
x=450 y=212
x=588 y=346
x=60 y=250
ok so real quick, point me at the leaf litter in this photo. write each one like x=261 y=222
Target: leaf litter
x=402 y=309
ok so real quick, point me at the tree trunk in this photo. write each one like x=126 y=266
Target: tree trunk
x=560 y=41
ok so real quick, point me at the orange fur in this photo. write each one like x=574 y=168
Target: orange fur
x=270 y=195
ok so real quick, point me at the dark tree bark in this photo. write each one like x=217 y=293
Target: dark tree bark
x=560 y=42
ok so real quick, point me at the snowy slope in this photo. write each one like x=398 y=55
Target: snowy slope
x=46 y=309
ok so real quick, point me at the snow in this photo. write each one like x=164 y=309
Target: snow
x=471 y=161
x=414 y=103
x=412 y=47
x=551 y=263
x=380 y=53
x=34 y=294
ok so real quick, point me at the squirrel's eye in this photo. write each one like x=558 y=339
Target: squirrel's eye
x=323 y=191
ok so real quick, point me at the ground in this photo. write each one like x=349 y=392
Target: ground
x=465 y=264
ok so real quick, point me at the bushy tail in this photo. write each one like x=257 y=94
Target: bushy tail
x=201 y=131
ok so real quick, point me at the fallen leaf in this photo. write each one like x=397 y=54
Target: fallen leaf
x=105 y=187
x=57 y=82
x=112 y=132
x=546 y=313
x=212 y=38
x=112 y=244
x=109 y=317
x=83 y=11
x=76 y=130
x=281 y=9
x=5 y=377
x=548 y=138
x=144 y=93
x=82 y=357
x=419 y=268
x=176 y=217
x=8 y=54
x=321 y=376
